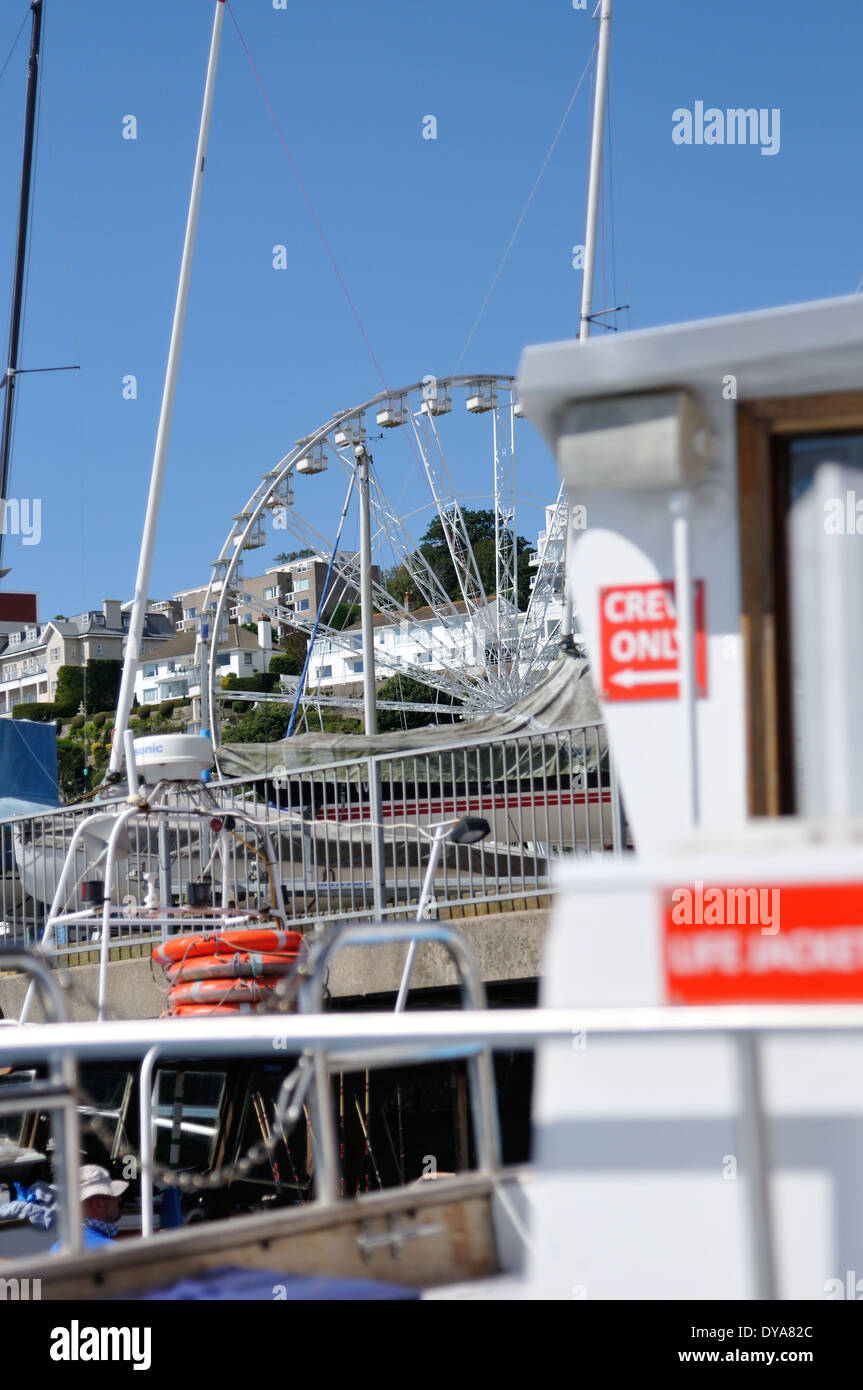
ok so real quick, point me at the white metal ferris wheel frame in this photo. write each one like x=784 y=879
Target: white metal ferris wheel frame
x=500 y=658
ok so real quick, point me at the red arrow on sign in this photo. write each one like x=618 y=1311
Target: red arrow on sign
x=638 y=642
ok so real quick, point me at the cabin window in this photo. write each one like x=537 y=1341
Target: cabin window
x=186 y=1107
x=107 y=1096
x=800 y=475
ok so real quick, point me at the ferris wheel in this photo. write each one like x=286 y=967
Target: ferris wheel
x=476 y=648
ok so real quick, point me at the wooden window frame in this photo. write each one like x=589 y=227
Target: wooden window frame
x=764 y=429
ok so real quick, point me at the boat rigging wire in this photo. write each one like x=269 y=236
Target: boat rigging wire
x=79 y=391
x=526 y=208
x=319 y=615
x=15 y=43
x=326 y=245
x=616 y=196
x=308 y=200
x=17 y=332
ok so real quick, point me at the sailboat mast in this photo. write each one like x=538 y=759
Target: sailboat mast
x=20 y=254
x=595 y=177
x=148 y=541
x=593 y=191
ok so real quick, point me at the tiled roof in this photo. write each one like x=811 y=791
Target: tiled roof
x=184 y=645
x=82 y=625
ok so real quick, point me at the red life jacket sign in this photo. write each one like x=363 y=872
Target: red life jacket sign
x=638 y=642
x=778 y=944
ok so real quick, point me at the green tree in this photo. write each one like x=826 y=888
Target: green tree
x=345 y=615
x=70 y=687
x=103 y=683
x=70 y=766
x=405 y=688
x=295 y=644
x=262 y=681
x=97 y=684
x=286 y=557
x=267 y=724
x=281 y=664
x=479 y=525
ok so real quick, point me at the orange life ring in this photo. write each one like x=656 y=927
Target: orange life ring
x=243 y=965
x=206 y=1010
x=226 y=943
x=220 y=992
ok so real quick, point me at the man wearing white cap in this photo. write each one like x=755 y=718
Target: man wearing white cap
x=100 y=1206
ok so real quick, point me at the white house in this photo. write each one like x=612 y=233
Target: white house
x=425 y=640
x=171 y=673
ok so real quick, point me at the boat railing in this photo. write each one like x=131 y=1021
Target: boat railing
x=350 y=838
x=320 y=1063
x=480 y=1071
x=343 y=1040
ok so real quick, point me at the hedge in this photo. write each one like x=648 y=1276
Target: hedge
x=42 y=712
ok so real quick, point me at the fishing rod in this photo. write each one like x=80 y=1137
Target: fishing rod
x=369 y=1149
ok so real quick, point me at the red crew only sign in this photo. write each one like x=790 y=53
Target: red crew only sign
x=638 y=642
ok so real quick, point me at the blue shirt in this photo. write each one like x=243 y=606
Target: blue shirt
x=90 y=1240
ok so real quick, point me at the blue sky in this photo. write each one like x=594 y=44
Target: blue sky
x=417 y=226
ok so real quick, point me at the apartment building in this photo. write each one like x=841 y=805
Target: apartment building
x=426 y=640
x=31 y=654
x=296 y=585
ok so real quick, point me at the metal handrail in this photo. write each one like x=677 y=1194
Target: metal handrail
x=310 y=1001
x=421 y=751
x=14 y=958
x=510 y=1029
x=150 y=809
x=57 y=1095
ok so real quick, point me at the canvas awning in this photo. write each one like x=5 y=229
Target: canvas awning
x=564 y=699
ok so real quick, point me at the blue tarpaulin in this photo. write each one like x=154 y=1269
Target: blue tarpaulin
x=28 y=767
x=228 y=1283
